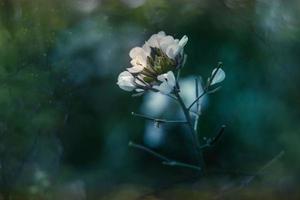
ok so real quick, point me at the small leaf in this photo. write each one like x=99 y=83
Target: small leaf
x=219 y=76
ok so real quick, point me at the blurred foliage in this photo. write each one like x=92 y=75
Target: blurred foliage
x=65 y=125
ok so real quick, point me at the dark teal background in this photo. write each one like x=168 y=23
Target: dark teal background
x=62 y=113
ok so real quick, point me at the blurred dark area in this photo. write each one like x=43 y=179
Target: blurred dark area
x=65 y=125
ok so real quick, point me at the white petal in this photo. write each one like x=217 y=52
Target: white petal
x=219 y=77
x=161 y=33
x=137 y=51
x=183 y=41
x=139 y=90
x=138 y=60
x=160 y=36
x=163 y=88
x=147 y=49
x=180 y=46
x=172 y=51
x=126 y=81
x=153 y=41
x=171 y=79
x=162 y=77
x=166 y=42
x=135 y=69
x=125 y=75
x=168 y=82
x=128 y=88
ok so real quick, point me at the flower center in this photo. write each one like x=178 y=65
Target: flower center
x=157 y=63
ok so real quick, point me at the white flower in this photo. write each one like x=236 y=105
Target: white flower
x=219 y=77
x=126 y=81
x=149 y=64
x=168 y=83
x=170 y=46
x=139 y=59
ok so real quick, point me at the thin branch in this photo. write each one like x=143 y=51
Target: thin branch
x=204 y=146
x=214 y=90
x=178 y=74
x=141 y=147
x=249 y=179
x=197 y=93
x=212 y=141
x=158 y=120
x=205 y=90
x=194 y=138
x=277 y=157
x=181 y=164
x=194 y=113
x=218 y=136
x=172 y=97
x=198 y=105
x=230 y=172
x=165 y=160
x=196 y=100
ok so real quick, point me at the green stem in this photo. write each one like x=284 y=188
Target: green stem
x=206 y=89
x=158 y=120
x=198 y=106
x=165 y=160
x=194 y=137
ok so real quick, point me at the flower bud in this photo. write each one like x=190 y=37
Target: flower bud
x=126 y=81
x=219 y=76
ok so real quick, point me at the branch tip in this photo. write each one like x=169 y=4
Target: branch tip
x=219 y=135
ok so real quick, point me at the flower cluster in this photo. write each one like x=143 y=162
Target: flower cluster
x=153 y=65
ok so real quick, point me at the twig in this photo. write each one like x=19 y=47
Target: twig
x=218 y=136
x=250 y=178
x=277 y=157
x=198 y=105
x=172 y=97
x=197 y=93
x=268 y=164
x=165 y=160
x=158 y=120
x=230 y=172
x=205 y=90
x=212 y=141
x=195 y=141
x=178 y=74
x=181 y=164
x=196 y=100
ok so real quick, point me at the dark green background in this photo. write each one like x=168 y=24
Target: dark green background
x=62 y=113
